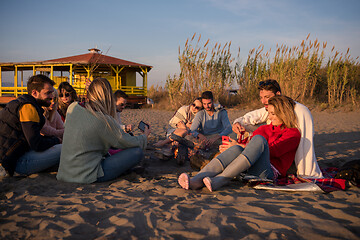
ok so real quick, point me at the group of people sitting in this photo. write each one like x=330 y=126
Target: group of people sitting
x=48 y=128
x=88 y=142
x=278 y=142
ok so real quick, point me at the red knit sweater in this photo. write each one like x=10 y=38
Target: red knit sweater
x=283 y=144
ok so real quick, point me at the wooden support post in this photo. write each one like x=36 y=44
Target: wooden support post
x=15 y=81
x=52 y=72
x=0 y=82
x=22 y=78
x=70 y=74
x=144 y=70
x=118 y=77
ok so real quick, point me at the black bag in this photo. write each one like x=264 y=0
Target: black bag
x=351 y=172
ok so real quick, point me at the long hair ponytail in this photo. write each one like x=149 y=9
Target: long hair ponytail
x=100 y=97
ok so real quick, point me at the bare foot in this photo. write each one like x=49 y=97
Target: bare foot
x=207 y=182
x=184 y=181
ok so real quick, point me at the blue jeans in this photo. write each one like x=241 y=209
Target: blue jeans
x=258 y=154
x=33 y=162
x=115 y=165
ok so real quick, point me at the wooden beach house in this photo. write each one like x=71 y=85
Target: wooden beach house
x=76 y=69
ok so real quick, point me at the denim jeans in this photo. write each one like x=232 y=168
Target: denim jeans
x=115 y=165
x=33 y=162
x=257 y=153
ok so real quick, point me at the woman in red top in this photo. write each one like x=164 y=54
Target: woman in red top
x=270 y=152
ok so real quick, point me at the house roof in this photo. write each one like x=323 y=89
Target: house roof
x=94 y=57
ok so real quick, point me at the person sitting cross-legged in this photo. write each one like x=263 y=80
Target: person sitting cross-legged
x=210 y=123
x=181 y=121
x=91 y=130
x=22 y=148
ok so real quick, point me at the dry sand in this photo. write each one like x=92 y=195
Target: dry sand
x=151 y=205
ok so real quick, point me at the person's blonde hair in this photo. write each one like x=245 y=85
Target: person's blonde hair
x=101 y=98
x=284 y=110
x=49 y=114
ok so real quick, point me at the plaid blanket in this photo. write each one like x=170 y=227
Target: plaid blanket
x=327 y=184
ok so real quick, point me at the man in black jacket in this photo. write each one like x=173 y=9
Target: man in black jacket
x=22 y=148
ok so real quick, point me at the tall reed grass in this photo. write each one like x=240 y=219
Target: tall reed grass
x=201 y=69
x=302 y=72
x=343 y=82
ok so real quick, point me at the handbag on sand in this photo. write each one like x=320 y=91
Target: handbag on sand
x=350 y=171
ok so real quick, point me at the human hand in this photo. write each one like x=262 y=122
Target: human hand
x=238 y=128
x=223 y=147
x=129 y=128
x=181 y=125
x=231 y=143
x=147 y=131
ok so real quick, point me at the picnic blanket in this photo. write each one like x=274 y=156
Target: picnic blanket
x=296 y=183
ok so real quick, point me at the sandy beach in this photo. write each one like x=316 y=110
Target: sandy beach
x=151 y=204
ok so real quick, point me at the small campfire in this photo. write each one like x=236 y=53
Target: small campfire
x=176 y=150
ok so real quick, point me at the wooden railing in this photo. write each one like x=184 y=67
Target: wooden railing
x=12 y=91
x=79 y=88
x=78 y=85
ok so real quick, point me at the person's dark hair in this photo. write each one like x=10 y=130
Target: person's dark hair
x=198 y=98
x=269 y=85
x=120 y=94
x=207 y=95
x=37 y=82
x=67 y=87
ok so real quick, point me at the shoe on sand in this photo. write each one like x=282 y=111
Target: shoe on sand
x=184 y=181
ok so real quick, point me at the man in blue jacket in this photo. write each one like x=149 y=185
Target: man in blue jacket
x=210 y=123
x=22 y=148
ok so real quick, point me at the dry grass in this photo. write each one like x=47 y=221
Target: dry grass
x=201 y=70
x=301 y=71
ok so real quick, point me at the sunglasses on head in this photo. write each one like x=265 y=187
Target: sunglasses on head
x=196 y=107
x=66 y=95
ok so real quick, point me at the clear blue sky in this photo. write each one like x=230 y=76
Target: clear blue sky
x=150 y=31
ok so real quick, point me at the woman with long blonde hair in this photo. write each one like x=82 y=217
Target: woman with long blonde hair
x=90 y=131
x=53 y=126
x=269 y=153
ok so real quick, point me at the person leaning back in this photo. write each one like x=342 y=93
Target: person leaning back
x=305 y=159
x=22 y=148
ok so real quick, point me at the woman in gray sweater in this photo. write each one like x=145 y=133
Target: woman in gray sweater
x=90 y=131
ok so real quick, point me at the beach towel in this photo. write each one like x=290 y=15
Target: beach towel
x=296 y=183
